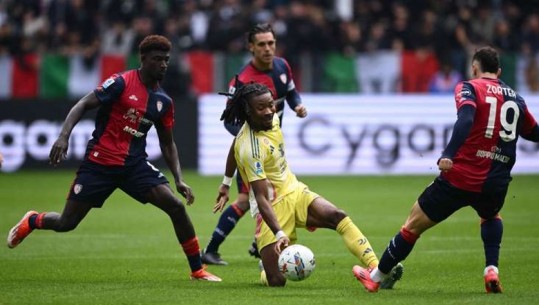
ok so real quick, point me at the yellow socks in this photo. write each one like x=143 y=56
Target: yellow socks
x=263 y=278
x=357 y=243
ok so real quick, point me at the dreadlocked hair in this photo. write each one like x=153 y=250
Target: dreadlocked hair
x=236 y=109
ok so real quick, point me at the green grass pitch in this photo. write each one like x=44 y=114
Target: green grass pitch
x=126 y=253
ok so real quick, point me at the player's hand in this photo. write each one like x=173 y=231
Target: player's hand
x=301 y=111
x=222 y=198
x=445 y=164
x=58 y=151
x=186 y=191
x=281 y=244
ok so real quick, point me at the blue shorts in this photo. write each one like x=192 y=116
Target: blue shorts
x=242 y=187
x=95 y=182
x=441 y=199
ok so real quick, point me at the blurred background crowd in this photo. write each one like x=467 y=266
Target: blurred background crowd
x=332 y=45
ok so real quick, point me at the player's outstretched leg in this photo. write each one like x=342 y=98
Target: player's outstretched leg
x=71 y=216
x=227 y=222
x=20 y=231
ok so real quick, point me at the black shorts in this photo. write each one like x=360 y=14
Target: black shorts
x=94 y=182
x=441 y=199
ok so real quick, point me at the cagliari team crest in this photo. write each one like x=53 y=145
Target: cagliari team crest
x=159 y=106
x=77 y=188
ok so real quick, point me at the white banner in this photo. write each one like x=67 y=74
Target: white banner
x=357 y=135
x=34 y=140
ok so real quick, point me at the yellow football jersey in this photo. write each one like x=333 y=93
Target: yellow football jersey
x=261 y=155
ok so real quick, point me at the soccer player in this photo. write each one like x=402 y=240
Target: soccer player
x=279 y=202
x=274 y=72
x=1 y=159
x=129 y=104
x=475 y=168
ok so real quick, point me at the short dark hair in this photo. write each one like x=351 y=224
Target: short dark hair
x=257 y=29
x=236 y=108
x=154 y=42
x=488 y=59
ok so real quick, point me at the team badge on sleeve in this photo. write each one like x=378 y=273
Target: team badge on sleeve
x=159 y=105
x=258 y=168
x=465 y=93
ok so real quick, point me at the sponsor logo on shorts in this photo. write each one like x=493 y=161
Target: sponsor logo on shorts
x=77 y=188
x=283 y=78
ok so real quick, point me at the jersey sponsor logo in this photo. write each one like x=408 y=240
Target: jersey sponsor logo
x=107 y=83
x=134 y=116
x=492 y=155
x=131 y=115
x=133 y=97
x=159 y=106
x=77 y=188
x=133 y=132
x=283 y=78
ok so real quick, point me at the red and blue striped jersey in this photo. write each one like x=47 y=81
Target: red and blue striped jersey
x=278 y=80
x=488 y=153
x=127 y=112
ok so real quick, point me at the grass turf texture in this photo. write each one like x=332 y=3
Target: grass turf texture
x=126 y=253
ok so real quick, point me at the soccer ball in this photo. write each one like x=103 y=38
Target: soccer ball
x=296 y=262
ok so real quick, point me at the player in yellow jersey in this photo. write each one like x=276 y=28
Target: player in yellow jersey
x=279 y=202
